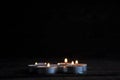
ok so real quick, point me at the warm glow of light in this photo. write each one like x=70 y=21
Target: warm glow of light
x=58 y=63
x=72 y=62
x=36 y=63
x=76 y=62
x=45 y=63
x=66 y=60
x=48 y=65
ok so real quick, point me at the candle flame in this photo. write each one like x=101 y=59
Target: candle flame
x=45 y=63
x=36 y=63
x=48 y=65
x=65 y=60
x=58 y=63
x=72 y=62
x=76 y=62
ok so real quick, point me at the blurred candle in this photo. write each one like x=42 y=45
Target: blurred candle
x=32 y=67
x=83 y=66
x=48 y=65
x=76 y=61
x=70 y=67
x=51 y=69
x=36 y=63
x=48 y=69
x=72 y=63
x=75 y=68
x=62 y=66
x=66 y=60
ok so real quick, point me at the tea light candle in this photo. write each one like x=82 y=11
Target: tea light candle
x=76 y=61
x=83 y=66
x=32 y=67
x=49 y=69
x=62 y=66
x=66 y=60
x=70 y=68
x=75 y=68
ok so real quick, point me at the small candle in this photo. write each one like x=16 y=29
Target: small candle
x=76 y=68
x=32 y=67
x=62 y=66
x=83 y=66
x=48 y=69
x=76 y=61
x=36 y=63
x=51 y=69
x=70 y=67
x=72 y=62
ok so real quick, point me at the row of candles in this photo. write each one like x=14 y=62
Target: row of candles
x=65 y=67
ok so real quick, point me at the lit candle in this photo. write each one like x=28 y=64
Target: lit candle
x=84 y=66
x=36 y=63
x=75 y=68
x=51 y=69
x=80 y=68
x=32 y=67
x=62 y=66
x=72 y=63
x=66 y=60
x=76 y=61
x=48 y=65
x=70 y=67
x=48 y=69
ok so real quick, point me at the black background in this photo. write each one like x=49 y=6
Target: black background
x=40 y=29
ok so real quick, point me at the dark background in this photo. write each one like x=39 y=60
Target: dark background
x=40 y=29
x=33 y=31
